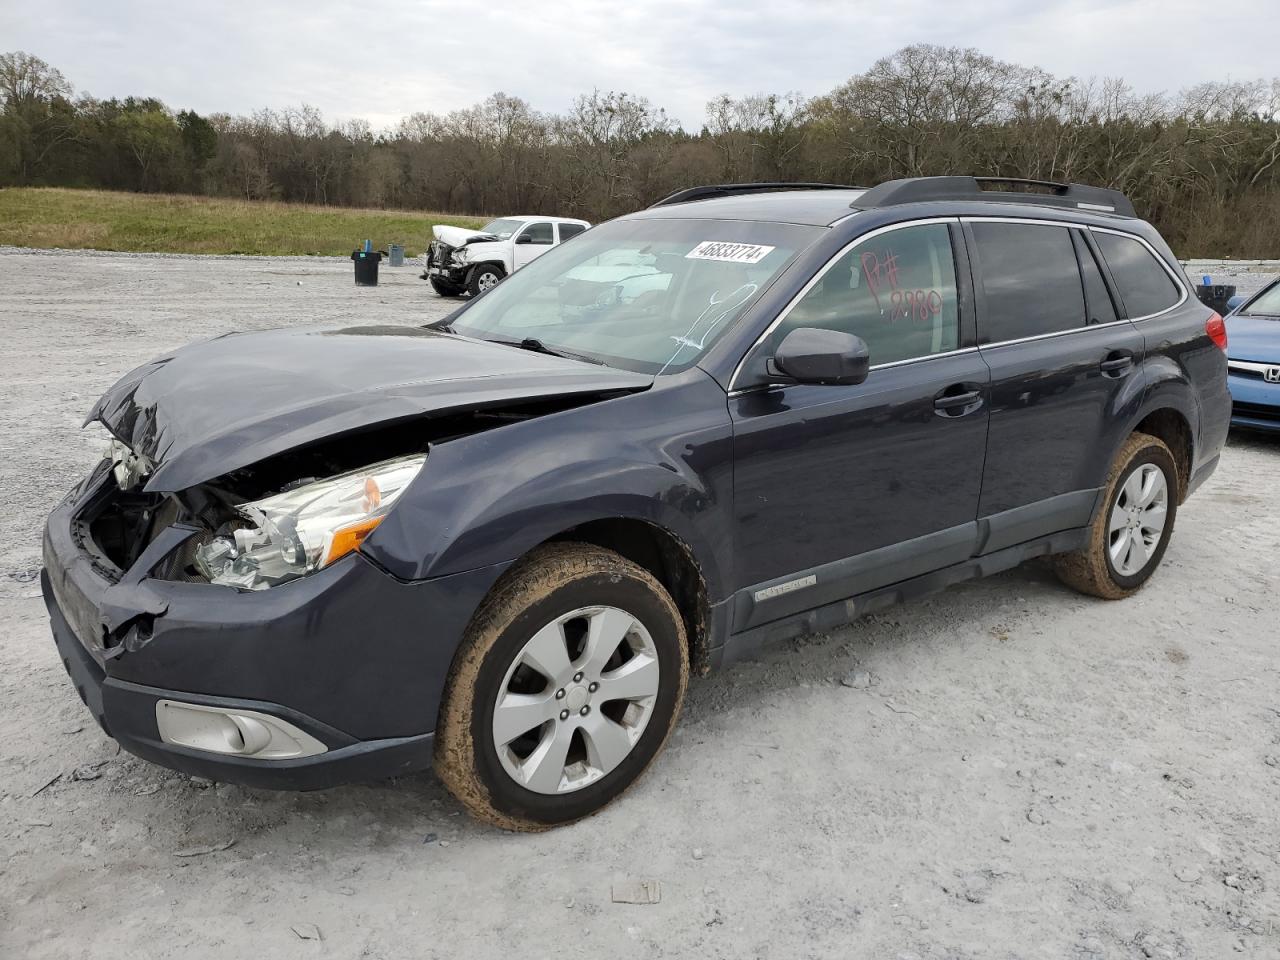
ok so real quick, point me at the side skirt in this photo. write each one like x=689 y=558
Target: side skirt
x=832 y=615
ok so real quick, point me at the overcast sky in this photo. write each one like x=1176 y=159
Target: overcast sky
x=384 y=61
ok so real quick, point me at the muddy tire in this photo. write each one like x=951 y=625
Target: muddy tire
x=483 y=277
x=447 y=289
x=566 y=687
x=1128 y=537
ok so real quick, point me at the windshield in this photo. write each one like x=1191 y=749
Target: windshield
x=645 y=295
x=502 y=229
x=1267 y=305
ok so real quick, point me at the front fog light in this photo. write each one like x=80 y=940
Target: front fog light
x=296 y=532
x=238 y=733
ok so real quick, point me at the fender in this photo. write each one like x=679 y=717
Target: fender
x=663 y=456
x=506 y=271
x=1164 y=386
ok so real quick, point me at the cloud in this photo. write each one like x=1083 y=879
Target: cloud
x=381 y=63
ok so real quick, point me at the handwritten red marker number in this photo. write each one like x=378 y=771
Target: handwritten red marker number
x=920 y=306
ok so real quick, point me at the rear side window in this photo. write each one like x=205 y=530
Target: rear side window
x=1143 y=285
x=539 y=233
x=568 y=230
x=1030 y=280
x=896 y=290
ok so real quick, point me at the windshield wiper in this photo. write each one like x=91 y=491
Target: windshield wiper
x=534 y=345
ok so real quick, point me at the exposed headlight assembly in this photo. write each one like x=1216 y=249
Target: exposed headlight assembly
x=127 y=466
x=460 y=255
x=294 y=533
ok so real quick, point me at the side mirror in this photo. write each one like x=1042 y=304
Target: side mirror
x=1235 y=302
x=830 y=357
x=525 y=238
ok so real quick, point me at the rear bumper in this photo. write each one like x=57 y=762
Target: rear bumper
x=350 y=655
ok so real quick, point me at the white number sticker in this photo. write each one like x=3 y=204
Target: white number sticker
x=731 y=252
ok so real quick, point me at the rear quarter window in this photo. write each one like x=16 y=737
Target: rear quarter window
x=1143 y=284
x=568 y=230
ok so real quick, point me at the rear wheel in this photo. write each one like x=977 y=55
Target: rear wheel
x=1129 y=535
x=483 y=277
x=567 y=686
x=446 y=289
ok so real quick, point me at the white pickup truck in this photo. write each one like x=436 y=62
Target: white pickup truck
x=471 y=261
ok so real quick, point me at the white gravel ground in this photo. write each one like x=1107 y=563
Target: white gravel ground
x=1009 y=770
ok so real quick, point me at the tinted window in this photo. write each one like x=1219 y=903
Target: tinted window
x=1144 y=285
x=1030 y=279
x=568 y=230
x=539 y=233
x=1101 y=309
x=897 y=291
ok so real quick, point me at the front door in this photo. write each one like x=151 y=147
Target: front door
x=842 y=489
x=533 y=241
x=1062 y=372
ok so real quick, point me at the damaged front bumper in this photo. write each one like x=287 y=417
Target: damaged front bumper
x=441 y=265
x=350 y=659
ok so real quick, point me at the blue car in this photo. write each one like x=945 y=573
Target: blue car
x=1253 y=364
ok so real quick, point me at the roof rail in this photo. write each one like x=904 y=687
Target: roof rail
x=1072 y=195
x=709 y=191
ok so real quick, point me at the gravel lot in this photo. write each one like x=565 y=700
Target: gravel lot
x=1006 y=770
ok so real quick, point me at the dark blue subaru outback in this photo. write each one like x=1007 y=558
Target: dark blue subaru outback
x=501 y=543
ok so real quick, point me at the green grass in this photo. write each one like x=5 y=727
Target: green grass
x=162 y=223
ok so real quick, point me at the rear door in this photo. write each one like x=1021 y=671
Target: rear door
x=567 y=231
x=1063 y=367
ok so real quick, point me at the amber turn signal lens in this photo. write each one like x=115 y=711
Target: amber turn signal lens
x=347 y=539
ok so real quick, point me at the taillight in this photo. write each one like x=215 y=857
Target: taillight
x=1217 y=331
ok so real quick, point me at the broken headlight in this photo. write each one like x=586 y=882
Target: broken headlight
x=308 y=527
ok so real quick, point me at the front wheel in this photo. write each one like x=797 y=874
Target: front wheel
x=1129 y=535
x=482 y=278
x=566 y=687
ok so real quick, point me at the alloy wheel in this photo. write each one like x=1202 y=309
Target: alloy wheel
x=576 y=700
x=1138 y=519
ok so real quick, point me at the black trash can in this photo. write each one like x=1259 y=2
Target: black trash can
x=1216 y=295
x=366 y=267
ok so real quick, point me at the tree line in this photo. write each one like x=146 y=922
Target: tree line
x=1202 y=164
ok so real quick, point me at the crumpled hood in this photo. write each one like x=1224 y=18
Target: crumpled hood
x=1253 y=338
x=217 y=406
x=457 y=236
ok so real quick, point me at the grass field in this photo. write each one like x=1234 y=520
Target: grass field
x=162 y=223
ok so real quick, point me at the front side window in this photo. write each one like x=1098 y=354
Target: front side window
x=539 y=233
x=1030 y=280
x=896 y=290
x=1145 y=287
x=649 y=295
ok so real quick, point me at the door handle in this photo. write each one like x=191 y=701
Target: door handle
x=1116 y=364
x=957 y=401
